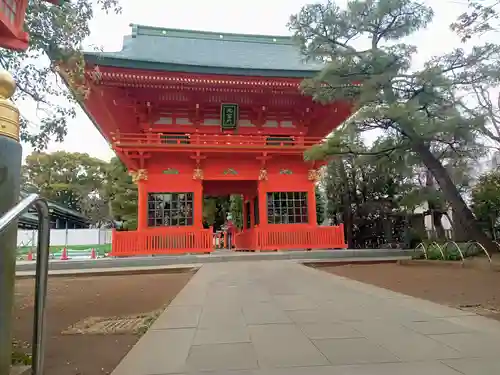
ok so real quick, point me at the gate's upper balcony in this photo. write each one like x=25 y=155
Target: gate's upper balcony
x=212 y=142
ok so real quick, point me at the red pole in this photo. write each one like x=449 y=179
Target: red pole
x=342 y=235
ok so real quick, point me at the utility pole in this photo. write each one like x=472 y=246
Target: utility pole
x=10 y=181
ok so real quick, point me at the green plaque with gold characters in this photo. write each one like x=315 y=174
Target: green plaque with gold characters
x=229 y=114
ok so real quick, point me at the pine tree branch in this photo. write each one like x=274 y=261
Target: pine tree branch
x=325 y=150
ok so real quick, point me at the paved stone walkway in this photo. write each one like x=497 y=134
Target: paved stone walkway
x=282 y=318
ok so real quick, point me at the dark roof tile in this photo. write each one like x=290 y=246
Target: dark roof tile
x=208 y=49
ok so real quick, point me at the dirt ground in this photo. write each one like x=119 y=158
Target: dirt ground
x=71 y=300
x=472 y=289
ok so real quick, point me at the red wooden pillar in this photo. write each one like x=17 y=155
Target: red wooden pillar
x=198 y=205
x=262 y=194
x=311 y=204
x=252 y=212
x=142 y=205
x=244 y=224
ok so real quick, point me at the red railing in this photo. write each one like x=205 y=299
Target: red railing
x=291 y=237
x=164 y=240
x=183 y=240
x=190 y=141
x=246 y=239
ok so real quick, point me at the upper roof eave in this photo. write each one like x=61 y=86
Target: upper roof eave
x=99 y=58
x=138 y=29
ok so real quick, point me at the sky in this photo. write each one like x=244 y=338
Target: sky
x=268 y=17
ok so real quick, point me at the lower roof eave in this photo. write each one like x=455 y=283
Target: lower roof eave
x=83 y=107
x=117 y=62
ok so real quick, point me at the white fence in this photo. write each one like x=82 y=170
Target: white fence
x=66 y=237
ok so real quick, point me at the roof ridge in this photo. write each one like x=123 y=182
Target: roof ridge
x=212 y=35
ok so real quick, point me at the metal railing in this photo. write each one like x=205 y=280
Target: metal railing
x=42 y=268
x=464 y=252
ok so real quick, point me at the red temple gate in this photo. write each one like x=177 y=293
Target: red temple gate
x=197 y=113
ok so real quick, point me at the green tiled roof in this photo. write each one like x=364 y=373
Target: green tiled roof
x=191 y=51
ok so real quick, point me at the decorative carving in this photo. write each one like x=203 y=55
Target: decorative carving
x=198 y=174
x=314 y=175
x=230 y=171
x=170 y=171
x=96 y=75
x=139 y=175
x=285 y=171
x=72 y=70
x=263 y=174
x=85 y=92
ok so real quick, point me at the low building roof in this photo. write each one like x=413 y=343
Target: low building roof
x=56 y=209
x=153 y=48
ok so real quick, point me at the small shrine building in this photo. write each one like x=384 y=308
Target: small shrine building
x=194 y=113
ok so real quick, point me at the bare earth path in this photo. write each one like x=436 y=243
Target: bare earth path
x=282 y=318
x=456 y=287
x=71 y=300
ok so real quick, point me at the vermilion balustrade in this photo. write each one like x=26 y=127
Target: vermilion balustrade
x=162 y=240
x=182 y=240
x=290 y=237
x=190 y=141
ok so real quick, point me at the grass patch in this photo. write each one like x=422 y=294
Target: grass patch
x=100 y=249
x=20 y=354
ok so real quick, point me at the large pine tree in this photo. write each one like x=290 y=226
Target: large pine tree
x=420 y=108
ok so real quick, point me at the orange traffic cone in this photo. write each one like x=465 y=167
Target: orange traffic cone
x=64 y=254
x=93 y=255
x=30 y=255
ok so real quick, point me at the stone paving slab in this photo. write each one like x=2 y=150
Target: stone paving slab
x=105 y=267
x=115 y=271
x=20 y=370
x=343 y=255
x=282 y=318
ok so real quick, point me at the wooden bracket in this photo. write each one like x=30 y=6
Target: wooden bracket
x=263 y=166
x=198 y=170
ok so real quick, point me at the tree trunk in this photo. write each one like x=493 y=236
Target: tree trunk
x=459 y=232
x=437 y=224
x=434 y=211
x=346 y=206
x=463 y=214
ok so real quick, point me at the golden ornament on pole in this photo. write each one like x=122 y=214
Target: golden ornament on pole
x=9 y=114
